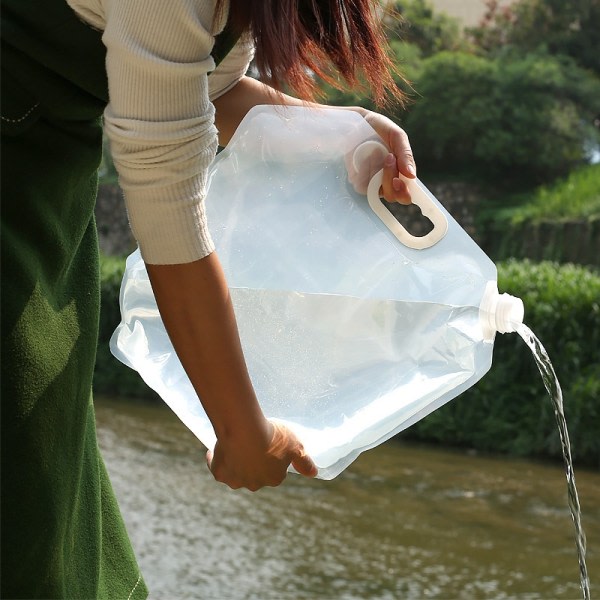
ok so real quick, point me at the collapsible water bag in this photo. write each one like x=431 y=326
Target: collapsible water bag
x=353 y=329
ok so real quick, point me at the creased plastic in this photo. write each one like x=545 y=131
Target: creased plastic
x=349 y=336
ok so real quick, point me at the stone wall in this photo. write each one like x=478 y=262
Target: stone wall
x=575 y=241
x=461 y=200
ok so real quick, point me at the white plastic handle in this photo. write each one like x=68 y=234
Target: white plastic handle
x=422 y=200
x=418 y=196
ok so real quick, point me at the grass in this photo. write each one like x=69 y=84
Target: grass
x=575 y=198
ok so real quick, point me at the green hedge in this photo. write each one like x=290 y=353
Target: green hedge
x=508 y=411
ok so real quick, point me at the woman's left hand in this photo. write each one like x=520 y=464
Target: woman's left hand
x=248 y=92
x=400 y=159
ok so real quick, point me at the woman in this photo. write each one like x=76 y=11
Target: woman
x=148 y=67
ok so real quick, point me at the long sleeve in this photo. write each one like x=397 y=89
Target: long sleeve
x=231 y=69
x=160 y=120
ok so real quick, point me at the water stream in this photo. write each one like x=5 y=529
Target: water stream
x=553 y=386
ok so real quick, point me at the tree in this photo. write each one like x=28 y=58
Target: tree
x=416 y=22
x=520 y=119
x=563 y=28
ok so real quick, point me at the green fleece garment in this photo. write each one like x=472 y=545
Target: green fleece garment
x=62 y=532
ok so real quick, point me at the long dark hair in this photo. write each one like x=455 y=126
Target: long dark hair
x=331 y=38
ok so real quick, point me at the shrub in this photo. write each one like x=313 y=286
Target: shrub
x=561 y=27
x=508 y=410
x=420 y=24
x=521 y=119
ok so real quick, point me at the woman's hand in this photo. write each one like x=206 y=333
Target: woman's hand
x=400 y=159
x=232 y=106
x=251 y=462
x=195 y=305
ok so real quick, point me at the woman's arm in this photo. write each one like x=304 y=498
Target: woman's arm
x=194 y=302
x=232 y=107
x=195 y=305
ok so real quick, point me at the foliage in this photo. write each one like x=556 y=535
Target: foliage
x=508 y=410
x=415 y=22
x=510 y=119
x=408 y=59
x=562 y=28
x=575 y=197
x=502 y=106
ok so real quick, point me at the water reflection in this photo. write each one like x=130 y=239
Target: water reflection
x=402 y=522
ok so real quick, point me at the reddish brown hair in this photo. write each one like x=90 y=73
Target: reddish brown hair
x=328 y=37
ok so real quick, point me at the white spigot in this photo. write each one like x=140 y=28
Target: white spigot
x=499 y=312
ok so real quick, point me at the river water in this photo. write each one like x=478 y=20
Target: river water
x=403 y=521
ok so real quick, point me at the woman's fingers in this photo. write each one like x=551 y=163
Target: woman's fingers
x=305 y=465
x=255 y=465
x=400 y=146
x=393 y=188
x=400 y=160
x=286 y=443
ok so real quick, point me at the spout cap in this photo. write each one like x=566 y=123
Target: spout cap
x=509 y=313
x=499 y=312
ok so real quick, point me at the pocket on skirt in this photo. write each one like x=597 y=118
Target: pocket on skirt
x=20 y=108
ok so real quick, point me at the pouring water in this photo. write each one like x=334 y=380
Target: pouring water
x=553 y=386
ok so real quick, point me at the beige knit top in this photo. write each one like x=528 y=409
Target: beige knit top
x=160 y=118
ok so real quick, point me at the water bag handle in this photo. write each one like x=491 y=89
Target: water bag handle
x=418 y=196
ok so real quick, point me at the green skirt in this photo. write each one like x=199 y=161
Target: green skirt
x=62 y=532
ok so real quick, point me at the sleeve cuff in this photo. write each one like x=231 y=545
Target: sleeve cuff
x=170 y=224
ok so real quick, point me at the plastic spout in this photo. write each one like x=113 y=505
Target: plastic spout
x=499 y=312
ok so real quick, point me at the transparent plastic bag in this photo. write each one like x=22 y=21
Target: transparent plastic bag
x=352 y=328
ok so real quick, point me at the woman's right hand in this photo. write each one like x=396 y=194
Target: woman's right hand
x=196 y=309
x=255 y=461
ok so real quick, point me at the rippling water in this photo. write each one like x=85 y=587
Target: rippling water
x=402 y=522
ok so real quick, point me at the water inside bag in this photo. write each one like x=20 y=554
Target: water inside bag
x=349 y=332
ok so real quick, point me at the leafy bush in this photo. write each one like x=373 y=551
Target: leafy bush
x=408 y=58
x=521 y=119
x=508 y=410
x=562 y=28
x=419 y=24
